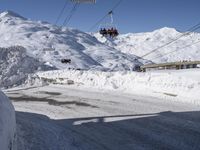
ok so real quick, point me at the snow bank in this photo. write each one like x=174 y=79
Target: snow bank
x=7 y=124
x=183 y=85
x=15 y=66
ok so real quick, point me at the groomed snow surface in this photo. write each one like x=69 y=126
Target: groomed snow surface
x=7 y=124
x=182 y=85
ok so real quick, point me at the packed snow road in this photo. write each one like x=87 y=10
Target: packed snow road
x=61 y=118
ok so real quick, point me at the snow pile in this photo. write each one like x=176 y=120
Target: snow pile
x=140 y=44
x=15 y=66
x=7 y=124
x=183 y=85
x=50 y=44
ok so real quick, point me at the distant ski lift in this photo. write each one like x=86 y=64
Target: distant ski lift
x=49 y=49
x=84 y=1
x=66 y=61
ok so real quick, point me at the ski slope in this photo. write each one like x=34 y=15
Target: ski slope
x=139 y=44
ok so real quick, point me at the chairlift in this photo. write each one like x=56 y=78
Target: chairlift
x=48 y=49
x=66 y=61
x=109 y=29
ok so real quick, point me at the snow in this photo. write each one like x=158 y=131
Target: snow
x=28 y=46
x=7 y=124
x=98 y=100
x=140 y=44
x=41 y=46
x=69 y=117
x=15 y=66
x=182 y=85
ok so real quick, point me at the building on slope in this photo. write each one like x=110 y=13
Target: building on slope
x=171 y=65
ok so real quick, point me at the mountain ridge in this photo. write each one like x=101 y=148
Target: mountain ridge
x=139 y=44
x=50 y=44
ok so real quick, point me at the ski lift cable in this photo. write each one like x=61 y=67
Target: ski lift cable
x=116 y=5
x=57 y=19
x=172 y=41
x=61 y=12
x=111 y=18
x=67 y=18
x=72 y=12
x=190 y=30
x=101 y=19
x=177 y=50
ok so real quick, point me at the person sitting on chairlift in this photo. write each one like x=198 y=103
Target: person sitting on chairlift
x=115 y=32
x=103 y=32
x=109 y=32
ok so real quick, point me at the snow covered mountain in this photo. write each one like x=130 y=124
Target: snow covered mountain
x=50 y=44
x=139 y=44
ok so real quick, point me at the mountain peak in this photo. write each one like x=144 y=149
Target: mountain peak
x=10 y=13
x=166 y=30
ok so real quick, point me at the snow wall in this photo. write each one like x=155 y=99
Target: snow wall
x=7 y=124
x=182 y=85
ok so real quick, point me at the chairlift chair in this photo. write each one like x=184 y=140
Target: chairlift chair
x=109 y=29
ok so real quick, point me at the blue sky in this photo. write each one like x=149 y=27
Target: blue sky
x=130 y=16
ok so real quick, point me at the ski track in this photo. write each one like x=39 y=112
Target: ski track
x=118 y=122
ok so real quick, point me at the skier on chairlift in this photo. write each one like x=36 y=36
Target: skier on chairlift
x=110 y=31
x=103 y=32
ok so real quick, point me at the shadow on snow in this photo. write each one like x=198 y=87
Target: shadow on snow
x=164 y=131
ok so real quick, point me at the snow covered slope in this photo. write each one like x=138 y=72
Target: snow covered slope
x=7 y=124
x=15 y=66
x=142 y=43
x=50 y=44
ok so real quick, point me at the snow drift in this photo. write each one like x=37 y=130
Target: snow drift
x=182 y=85
x=140 y=44
x=7 y=124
